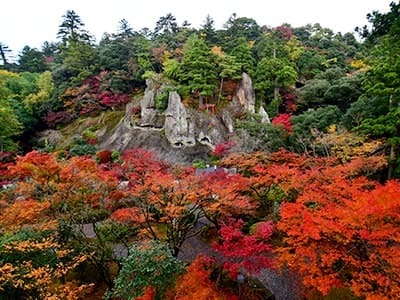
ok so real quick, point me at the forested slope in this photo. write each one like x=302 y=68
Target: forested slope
x=305 y=157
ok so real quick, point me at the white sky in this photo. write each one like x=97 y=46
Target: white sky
x=31 y=22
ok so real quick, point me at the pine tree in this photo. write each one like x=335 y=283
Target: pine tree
x=198 y=69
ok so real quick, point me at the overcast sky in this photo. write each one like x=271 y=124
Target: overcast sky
x=31 y=22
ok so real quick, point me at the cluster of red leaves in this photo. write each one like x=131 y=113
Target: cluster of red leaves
x=139 y=163
x=196 y=282
x=341 y=228
x=53 y=118
x=345 y=234
x=136 y=110
x=289 y=101
x=245 y=253
x=283 y=120
x=110 y=99
x=104 y=156
x=94 y=95
x=149 y=294
x=130 y=215
x=229 y=88
x=283 y=32
x=6 y=160
x=223 y=149
x=226 y=196
x=41 y=178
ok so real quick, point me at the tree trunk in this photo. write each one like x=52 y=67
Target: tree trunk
x=201 y=102
x=3 y=55
x=392 y=154
x=392 y=161
x=220 y=89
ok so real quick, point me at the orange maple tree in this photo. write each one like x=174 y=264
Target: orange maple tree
x=225 y=196
x=35 y=266
x=57 y=196
x=156 y=196
x=340 y=228
x=196 y=283
x=345 y=233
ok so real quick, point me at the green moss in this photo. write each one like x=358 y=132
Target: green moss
x=112 y=118
x=90 y=125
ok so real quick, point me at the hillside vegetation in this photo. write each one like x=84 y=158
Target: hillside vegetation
x=307 y=180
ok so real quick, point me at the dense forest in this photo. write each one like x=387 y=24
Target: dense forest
x=313 y=191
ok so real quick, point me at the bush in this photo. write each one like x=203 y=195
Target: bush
x=81 y=147
x=151 y=264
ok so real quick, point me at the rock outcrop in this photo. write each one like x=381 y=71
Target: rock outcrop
x=149 y=116
x=245 y=97
x=148 y=106
x=179 y=128
x=264 y=115
x=180 y=133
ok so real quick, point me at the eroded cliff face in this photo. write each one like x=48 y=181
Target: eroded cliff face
x=180 y=133
x=179 y=123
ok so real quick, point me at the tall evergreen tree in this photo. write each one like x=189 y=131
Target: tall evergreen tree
x=208 y=31
x=244 y=55
x=198 y=69
x=71 y=29
x=125 y=30
x=4 y=50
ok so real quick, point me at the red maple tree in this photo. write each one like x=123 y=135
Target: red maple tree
x=242 y=252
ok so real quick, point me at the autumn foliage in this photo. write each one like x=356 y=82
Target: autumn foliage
x=245 y=253
x=37 y=268
x=223 y=149
x=345 y=234
x=340 y=227
x=336 y=226
x=196 y=283
x=283 y=120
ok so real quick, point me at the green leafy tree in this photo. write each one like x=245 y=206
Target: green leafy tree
x=387 y=126
x=310 y=125
x=166 y=31
x=50 y=50
x=244 y=55
x=113 y=54
x=366 y=107
x=166 y=24
x=382 y=23
x=125 y=30
x=294 y=48
x=253 y=135
x=32 y=60
x=228 y=68
x=271 y=45
x=10 y=127
x=147 y=265
x=241 y=27
x=271 y=75
x=383 y=79
x=310 y=63
x=139 y=58
x=344 y=91
x=78 y=59
x=14 y=88
x=312 y=94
